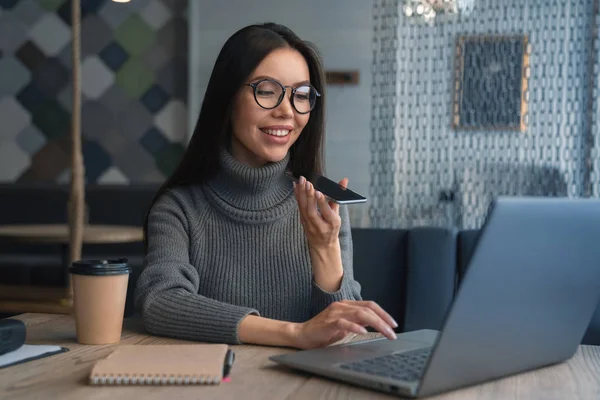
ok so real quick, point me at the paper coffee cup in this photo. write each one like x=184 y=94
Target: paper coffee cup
x=99 y=293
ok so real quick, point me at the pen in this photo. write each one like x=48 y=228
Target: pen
x=228 y=363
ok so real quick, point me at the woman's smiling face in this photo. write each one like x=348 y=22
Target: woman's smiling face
x=260 y=135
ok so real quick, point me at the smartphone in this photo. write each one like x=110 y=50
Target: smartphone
x=332 y=190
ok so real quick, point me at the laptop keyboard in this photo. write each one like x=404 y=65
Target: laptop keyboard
x=407 y=366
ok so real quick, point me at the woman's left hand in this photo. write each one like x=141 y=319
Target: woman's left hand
x=320 y=217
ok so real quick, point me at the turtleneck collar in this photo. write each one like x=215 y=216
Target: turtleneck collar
x=247 y=188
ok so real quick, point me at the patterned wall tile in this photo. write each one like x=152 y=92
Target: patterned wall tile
x=31 y=97
x=30 y=55
x=114 y=56
x=51 y=76
x=31 y=140
x=172 y=120
x=156 y=57
x=115 y=14
x=96 y=77
x=13 y=33
x=14 y=119
x=134 y=161
x=52 y=119
x=97 y=160
x=8 y=4
x=114 y=142
x=135 y=78
x=154 y=141
x=91 y=6
x=152 y=176
x=95 y=34
x=113 y=176
x=134 y=84
x=134 y=35
x=167 y=158
x=13 y=76
x=96 y=120
x=51 y=5
x=50 y=34
x=155 y=99
x=134 y=120
x=172 y=80
x=48 y=163
x=28 y=11
x=64 y=12
x=14 y=160
x=156 y=14
x=65 y=97
x=115 y=99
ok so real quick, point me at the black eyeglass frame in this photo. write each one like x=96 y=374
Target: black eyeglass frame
x=283 y=93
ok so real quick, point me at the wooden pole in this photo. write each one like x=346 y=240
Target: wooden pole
x=76 y=206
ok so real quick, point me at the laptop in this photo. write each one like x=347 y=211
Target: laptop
x=529 y=293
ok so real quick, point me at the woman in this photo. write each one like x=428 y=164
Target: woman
x=237 y=253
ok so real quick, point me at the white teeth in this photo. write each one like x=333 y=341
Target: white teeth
x=276 y=132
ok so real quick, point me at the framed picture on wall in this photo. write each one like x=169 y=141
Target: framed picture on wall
x=491 y=83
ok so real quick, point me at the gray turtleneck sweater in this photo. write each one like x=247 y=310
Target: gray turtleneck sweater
x=232 y=247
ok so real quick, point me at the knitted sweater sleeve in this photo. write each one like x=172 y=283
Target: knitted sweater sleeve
x=167 y=290
x=349 y=288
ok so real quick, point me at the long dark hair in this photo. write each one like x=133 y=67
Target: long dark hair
x=238 y=58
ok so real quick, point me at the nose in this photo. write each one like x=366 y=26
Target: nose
x=285 y=109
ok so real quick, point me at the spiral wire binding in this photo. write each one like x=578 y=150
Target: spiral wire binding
x=153 y=380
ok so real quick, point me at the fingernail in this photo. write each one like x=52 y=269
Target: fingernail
x=319 y=195
x=294 y=185
x=391 y=333
x=364 y=330
x=394 y=323
x=302 y=180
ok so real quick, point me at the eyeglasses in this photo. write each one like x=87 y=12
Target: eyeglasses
x=269 y=93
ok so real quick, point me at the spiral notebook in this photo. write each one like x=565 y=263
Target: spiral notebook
x=170 y=364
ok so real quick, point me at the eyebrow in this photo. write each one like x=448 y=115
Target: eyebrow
x=258 y=78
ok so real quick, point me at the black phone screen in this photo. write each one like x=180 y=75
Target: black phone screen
x=333 y=190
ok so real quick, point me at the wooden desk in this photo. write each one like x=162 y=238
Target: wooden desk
x=64 y=376
x=16 y=298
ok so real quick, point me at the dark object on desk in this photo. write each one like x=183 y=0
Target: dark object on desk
x=228 y=363
x=12 y=335
x=528 y=295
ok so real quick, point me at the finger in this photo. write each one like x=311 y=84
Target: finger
x=376 y=308
x=349 y=326
x=312 y=212
x=326 y=211
x=311 y=203
x=301 y=193
x=365 y=316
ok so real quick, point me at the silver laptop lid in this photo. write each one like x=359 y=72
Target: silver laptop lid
x=530 y=290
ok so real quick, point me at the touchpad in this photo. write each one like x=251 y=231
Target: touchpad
x=388 y=346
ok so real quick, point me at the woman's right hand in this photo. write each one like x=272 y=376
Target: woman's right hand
x=341 y=318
